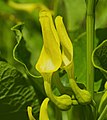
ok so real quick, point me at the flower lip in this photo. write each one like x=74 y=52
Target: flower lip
x=50 y=58
x=67 y=47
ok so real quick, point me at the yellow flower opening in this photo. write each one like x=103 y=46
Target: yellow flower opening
x=50 y=58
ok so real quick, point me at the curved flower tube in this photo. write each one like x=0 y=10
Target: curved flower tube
x=63 y=102
x=83 y=96
x=50 y=59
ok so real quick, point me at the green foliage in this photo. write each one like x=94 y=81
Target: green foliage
x=22 y=86
x=100 y=57
x=16 y=94
x=79 y=45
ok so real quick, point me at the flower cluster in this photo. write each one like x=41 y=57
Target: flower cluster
x=57 y=52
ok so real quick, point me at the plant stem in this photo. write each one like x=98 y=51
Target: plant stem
x=103 y=114
x=58 y=114
x=90 y=26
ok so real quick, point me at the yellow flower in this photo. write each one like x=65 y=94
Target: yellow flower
x=50 y=59
x=43 y=110
x=67 y=47
x=82 y=96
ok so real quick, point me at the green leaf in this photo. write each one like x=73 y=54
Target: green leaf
x=97 y=85
x=81 y=112
x=97 y=98
x=16 y=93
x=98 y=75
x=20 y=52
x=101 y=35
x=79 y=46
x=101 y=16
x=99 y=57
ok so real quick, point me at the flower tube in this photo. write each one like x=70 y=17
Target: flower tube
x=50 y=59
x=83 y=96
x=67 y=47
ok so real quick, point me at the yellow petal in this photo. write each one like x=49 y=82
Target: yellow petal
x=67 y=47
x=29 y=109
x=50 y=57
x=43 y=110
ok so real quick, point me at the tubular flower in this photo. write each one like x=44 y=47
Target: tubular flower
x=67 y=47
x=82 y=96
x=50 y=59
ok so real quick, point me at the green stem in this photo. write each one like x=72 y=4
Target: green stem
x=58 y=114
x=90 y=25
x=62 y=89
x=103 y=114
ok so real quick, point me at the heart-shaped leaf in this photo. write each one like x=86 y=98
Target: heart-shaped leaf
x=99 y=57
